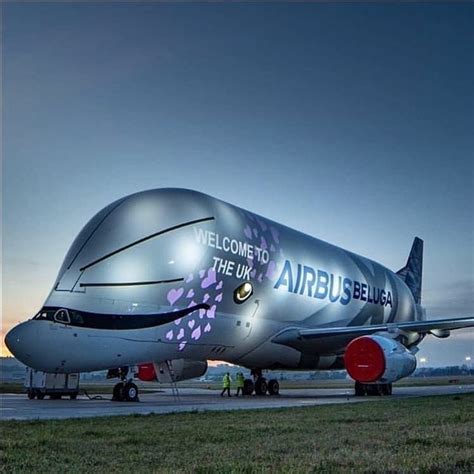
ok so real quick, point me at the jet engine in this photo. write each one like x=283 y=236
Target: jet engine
x=375 y=358
x=171 y=371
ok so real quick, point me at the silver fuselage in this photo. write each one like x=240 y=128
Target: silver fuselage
x=166 y=250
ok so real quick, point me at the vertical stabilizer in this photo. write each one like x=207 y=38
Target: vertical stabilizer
x=412 y=272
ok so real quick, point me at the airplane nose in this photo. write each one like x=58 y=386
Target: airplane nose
x=17 y=341
x=11 y=339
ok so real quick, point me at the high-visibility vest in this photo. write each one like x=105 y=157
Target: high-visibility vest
x=240 y=381
x=226 y=381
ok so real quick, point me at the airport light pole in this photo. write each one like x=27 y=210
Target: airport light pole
x=423 y=362
x=468 y=363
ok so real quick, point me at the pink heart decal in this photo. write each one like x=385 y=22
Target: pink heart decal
x=219 y=285
x=210 y=279
x=190 y=277
x=190 y=293
x=207 y=328
x=175 y=295
x=191 y=323
x=211 y=313
x=196 y=334
x=182 y=345
x=180 y=334
x=177 y=321
x=219 y=298
x=169 y=335
x=206 y=297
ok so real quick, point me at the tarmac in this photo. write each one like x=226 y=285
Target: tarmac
x=19 y=407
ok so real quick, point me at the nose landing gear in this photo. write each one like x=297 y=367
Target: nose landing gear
x=126 y=390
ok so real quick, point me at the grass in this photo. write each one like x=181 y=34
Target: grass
x=433 y=434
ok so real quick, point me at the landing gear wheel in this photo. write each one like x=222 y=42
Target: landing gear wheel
x=40 y=395
x=376 y=390
x=31 y=394
x=359 y=389
x=130 y=392
x=273 y=387
x=372 y=389
x=117 y=393
x=73 y=396
x=261 y=386
x=248 y=387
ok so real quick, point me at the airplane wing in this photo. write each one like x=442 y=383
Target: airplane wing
x=437 y=327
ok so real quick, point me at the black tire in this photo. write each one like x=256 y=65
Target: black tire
x=40 y=395
x=31 y=394
x=117 y=395
x=376 y=389
x=261 y=386
x=73 y=396
x=387 y=389
x=359 y=389
x=273 y=387
x=248 y=387
x=130 y=392
x=55 y=396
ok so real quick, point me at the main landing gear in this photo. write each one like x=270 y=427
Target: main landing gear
x=126 y=390
x=260 y=385
x=372 y=389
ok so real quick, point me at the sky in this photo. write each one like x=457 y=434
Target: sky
x=351 y=122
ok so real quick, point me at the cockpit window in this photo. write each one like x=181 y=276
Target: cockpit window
x=45 y=314
x=76 y=318
x=62 y=316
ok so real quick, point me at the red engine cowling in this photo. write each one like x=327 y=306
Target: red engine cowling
x=146 y=372
x=378 y=359
x=182 y=369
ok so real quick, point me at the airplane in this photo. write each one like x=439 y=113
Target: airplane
x=162 y=281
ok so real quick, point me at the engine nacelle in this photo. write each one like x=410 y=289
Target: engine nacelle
x=378 y=359
x=182 y=369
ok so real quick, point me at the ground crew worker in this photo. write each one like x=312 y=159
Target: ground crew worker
x=240 y=384
x=226 y=384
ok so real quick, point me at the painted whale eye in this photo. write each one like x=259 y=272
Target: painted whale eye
x=243 y=292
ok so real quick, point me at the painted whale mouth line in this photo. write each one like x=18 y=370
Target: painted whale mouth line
x=85 y=319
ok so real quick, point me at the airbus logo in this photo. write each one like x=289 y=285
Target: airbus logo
x=321 y=284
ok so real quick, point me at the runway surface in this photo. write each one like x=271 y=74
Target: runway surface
x=18 y=407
